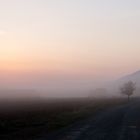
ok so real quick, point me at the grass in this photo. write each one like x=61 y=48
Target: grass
x=29 y=118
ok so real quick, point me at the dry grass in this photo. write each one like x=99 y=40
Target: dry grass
x=33 y=117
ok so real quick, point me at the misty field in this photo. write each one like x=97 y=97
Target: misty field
x=32 y=118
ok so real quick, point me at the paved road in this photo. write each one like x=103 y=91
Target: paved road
x=118 y=123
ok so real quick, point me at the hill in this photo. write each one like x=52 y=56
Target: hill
x=135 y=77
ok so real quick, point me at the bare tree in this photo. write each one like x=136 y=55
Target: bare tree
x=128 y=89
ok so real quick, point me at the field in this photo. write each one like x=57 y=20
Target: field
x=30 y=118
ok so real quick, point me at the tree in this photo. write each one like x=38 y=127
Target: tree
x=128 y=89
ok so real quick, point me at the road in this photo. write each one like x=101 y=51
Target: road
x=117 y=123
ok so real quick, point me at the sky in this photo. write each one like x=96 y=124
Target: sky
x=68 y=39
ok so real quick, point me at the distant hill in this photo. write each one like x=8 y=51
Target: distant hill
x=135 y=77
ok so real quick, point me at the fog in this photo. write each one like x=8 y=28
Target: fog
x=67 y=48
x=62 y=86
x=48 y=87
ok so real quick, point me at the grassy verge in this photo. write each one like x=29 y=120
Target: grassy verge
x=33 y=117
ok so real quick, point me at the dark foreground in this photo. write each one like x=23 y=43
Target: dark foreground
x=119 y=122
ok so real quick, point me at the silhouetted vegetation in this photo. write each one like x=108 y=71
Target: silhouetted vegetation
x=31 y=119
x=128 y=89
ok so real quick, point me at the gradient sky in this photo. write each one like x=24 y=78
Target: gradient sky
x=83 y=38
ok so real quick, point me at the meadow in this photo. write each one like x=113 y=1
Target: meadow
x=30 y=118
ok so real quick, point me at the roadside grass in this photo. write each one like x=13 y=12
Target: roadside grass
x=34 y=117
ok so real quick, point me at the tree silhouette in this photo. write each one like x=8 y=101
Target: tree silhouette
x=128 y=89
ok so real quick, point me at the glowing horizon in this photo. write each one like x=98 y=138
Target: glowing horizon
x=99 y=39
